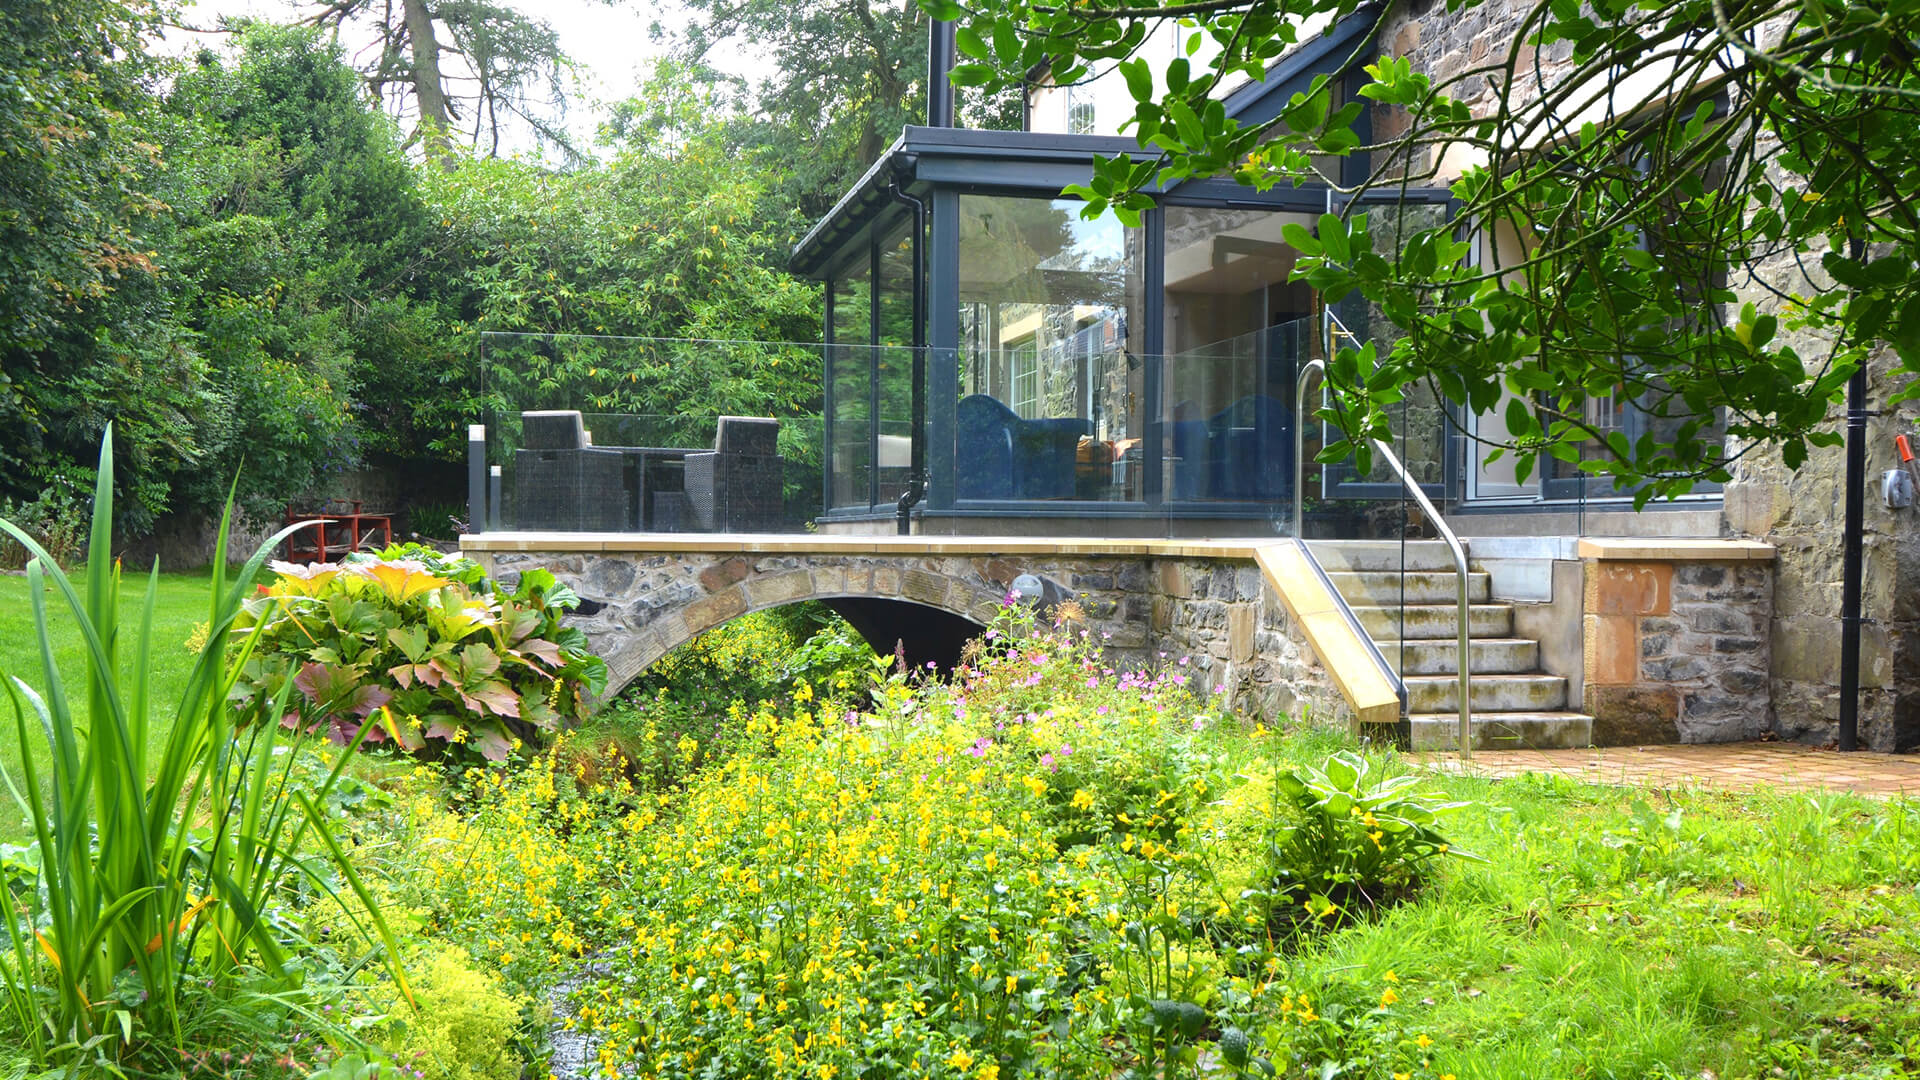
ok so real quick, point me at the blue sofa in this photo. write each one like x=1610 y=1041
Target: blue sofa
x=1001 y=456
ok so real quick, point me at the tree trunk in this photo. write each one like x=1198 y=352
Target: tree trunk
x=428 y=92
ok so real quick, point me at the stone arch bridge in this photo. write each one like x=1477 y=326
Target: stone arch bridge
x=1217 y=602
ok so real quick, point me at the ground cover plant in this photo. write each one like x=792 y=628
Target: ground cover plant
x=1050 y=868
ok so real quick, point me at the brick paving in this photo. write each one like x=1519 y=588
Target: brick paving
x=1718 y=765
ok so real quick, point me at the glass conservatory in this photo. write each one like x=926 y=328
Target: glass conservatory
x=1127 y=377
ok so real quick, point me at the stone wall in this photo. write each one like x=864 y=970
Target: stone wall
x=1243 y=643
x=1677 y=651
x=1218 y=615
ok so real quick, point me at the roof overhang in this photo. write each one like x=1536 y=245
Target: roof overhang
x=952 y=157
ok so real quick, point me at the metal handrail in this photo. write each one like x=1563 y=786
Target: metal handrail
x=1317 y=369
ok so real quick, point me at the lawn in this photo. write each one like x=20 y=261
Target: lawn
x=180 y=605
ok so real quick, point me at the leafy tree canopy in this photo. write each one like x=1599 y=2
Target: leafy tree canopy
x=1705 y=205
x=458 y=68
x=843 y=76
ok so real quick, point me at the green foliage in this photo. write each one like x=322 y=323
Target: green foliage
x=1354 y=841
x=56 y=520
x=464 y=1028
x=1617 y=201
x=430 y=656
x=690 y=708
x=85 y=332
x=238 y=265
x=840 y=82
x=149 y=881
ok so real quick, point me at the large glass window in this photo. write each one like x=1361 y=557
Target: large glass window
x=1051 y=366
x=893 y=371
x=1236 y=333
x=850 y=375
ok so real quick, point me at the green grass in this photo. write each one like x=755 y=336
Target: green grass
x=1620 y=933
x=180 y=604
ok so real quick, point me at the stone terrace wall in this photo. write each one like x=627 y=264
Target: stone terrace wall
x=1677 y=651
x=1243 y=642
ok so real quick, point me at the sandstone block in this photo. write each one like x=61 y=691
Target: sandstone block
x=1633 y=715
x=781 y=588
x=1173 y=579
x=1628 y=588
x=927 y=588
x=724 y=573
x=1614 y=650
x=1241 y=619
x=713 y=610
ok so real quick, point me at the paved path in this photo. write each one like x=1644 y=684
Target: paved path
x=1722 y=765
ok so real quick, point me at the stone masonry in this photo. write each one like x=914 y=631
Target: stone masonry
x=1218 y=614
x=1676 y=652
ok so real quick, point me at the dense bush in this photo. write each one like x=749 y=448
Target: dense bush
x=56 y=519
x=422 y=649
x=689 y=708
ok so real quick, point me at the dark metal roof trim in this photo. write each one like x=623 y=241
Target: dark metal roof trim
x=1016 y=159
x=1012 y=156
x=1257 y=102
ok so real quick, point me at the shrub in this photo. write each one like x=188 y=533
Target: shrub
x=1352 y=840
x=56 y=520
x=464 y=1028
x=426 y=641
x=688 y=709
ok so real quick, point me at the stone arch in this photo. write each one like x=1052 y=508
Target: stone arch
x=638 y=607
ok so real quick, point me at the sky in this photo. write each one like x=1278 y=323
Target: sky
x=611 y=42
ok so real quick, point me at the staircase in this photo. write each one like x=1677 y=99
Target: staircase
x=1412 y=614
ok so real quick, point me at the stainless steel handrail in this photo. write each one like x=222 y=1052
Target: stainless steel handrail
x=1315 y=370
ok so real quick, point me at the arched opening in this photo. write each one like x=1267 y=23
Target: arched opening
x=923 y=634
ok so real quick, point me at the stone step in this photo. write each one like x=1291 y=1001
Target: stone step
x=1427 y=621
x=1441 y=656
x=1431 y=732
x=1352 y=556
x=1491 y=693
x=1387 y=588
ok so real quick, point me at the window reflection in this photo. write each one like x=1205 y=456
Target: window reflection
x=850 y=375
x=1237 y=332
x=1052 y=374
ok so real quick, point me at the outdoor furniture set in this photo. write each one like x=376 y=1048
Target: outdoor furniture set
x=563 y=481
